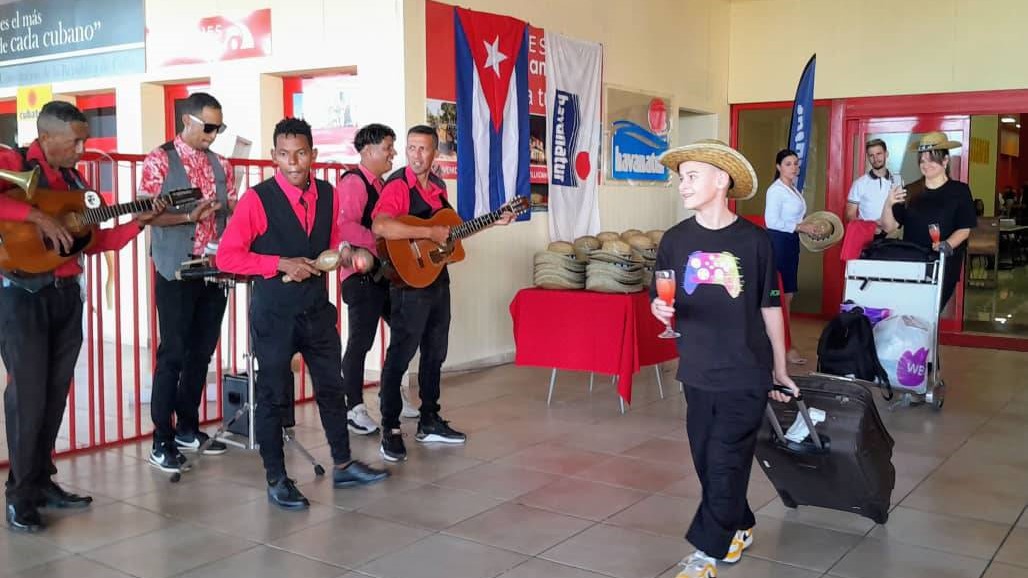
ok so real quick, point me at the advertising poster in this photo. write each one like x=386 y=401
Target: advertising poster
x=637 y=127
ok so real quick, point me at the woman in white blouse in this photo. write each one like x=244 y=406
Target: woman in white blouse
x=783 y=211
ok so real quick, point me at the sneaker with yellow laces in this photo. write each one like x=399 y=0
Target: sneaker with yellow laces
x=698 y=565
x=741 y=541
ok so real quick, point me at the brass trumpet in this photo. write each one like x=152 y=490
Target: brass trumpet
x=26 y=180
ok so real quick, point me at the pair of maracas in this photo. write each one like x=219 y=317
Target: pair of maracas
x=357 y=258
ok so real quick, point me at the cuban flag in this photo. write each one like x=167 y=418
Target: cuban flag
x=492 y=111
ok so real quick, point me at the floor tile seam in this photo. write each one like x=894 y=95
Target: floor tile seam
x=961 y=516
x=307 y=556
x=219 y=557
x=1010 y=532
x=590 y=519
x=205 y=565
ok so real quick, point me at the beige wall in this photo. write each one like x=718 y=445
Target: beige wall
x=876 y=47
x=677 y=47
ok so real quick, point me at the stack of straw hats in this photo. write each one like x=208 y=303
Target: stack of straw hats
x=645 y=249
x=558 y=268
x=614 y=269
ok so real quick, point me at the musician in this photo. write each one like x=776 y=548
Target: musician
x=41 y=317
x=189 y=312
x=366 y=298
x=280 y=226
x=419 y=317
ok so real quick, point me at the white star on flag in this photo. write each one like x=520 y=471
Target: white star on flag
x=493 y=55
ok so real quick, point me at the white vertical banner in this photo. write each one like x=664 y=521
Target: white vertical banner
x=573 y=89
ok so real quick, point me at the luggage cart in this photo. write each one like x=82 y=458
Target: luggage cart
x=906 y=288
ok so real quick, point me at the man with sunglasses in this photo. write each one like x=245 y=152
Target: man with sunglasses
x=189 y=312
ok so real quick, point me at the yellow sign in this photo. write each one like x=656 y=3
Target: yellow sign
x=30 y=100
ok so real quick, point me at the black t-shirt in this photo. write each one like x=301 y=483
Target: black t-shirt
x=724 y=278
x=950 y=206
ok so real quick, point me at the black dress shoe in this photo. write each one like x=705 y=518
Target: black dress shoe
x=54 y=496
x=284 y=494
x=23 y=518
x=357 y=474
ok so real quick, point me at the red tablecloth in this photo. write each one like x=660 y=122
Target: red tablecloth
x=588 y=331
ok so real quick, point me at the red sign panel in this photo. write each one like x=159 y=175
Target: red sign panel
x=212 y=39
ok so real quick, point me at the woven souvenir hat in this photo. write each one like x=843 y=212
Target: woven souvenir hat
x=625 y=235
x=934 y=141
x=557 y=267
x=830 y=231
x=655 y=235
x=584 y=246
x=608 y=236
x=611 y=278
x=716 y=153
x=643 y=245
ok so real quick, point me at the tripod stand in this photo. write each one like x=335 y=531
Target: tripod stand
x=247 y=409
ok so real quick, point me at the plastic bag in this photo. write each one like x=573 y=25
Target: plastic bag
x=904 y=346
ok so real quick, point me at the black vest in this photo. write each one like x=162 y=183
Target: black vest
x=369 y=206
x=418 y=207
x=286 y=237
x=421 y=209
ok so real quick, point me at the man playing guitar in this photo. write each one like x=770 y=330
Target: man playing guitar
x=42 y=320
x=419 y=317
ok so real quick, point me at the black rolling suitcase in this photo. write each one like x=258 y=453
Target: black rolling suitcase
x=847 y=465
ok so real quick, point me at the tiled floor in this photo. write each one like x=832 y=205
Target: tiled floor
x=570 y=491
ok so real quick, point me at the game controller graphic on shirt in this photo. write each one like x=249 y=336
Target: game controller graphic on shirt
x=704 y=268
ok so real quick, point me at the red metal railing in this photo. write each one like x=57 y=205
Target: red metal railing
x=113 y=377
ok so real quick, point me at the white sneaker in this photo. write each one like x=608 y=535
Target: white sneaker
x=698 y=565
x=408 y=411
x=359 y=422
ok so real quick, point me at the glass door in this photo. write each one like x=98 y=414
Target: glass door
x=899 y=135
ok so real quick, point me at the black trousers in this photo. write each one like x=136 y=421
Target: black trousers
x=40 y=340
x=367 y=301
x=279 y=332
x=189 y=315
x=722 y=428
x=419 y=318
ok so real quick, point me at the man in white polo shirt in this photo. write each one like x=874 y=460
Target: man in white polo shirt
x=868 y=193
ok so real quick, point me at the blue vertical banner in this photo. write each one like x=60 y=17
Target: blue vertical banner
x=802 y=125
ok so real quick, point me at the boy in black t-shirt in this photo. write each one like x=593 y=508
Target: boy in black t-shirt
x=732 y=347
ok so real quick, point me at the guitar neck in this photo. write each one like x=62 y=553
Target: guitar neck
x=468 y=228
x=101 y=214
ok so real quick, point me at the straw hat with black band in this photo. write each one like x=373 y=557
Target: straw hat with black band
x=716 y=153
x=934 y=141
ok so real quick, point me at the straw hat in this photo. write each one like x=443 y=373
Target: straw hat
x=934 y=141
x=608 y=236
x=558 y=268
x=585 y=245
x=608 y=277
x=640 y=242
x=716 y=153
x=655 y=235
x=625 y=235
x=830 y=231
x=617 y=252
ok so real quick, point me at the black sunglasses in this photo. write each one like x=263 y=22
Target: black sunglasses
x=209 y=127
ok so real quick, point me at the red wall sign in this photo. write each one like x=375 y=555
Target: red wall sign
x=212 y=39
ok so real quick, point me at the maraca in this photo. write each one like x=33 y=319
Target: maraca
x=330 y=260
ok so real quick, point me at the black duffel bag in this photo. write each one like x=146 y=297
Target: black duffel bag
x=897 y=250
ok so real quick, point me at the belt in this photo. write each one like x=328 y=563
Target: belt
x=37 y=284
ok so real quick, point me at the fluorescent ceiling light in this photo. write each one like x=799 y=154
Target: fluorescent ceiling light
x=1008 y=120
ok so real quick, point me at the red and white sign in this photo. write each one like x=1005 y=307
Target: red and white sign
x=228 y=36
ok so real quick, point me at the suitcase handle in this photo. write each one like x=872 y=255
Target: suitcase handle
x=803 y=412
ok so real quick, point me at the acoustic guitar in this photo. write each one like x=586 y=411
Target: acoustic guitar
x=418 y=262
x=23 y=249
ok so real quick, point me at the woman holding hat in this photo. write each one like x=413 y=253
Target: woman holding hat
x=784 y=210
x=732 y=344
x=934 y=200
